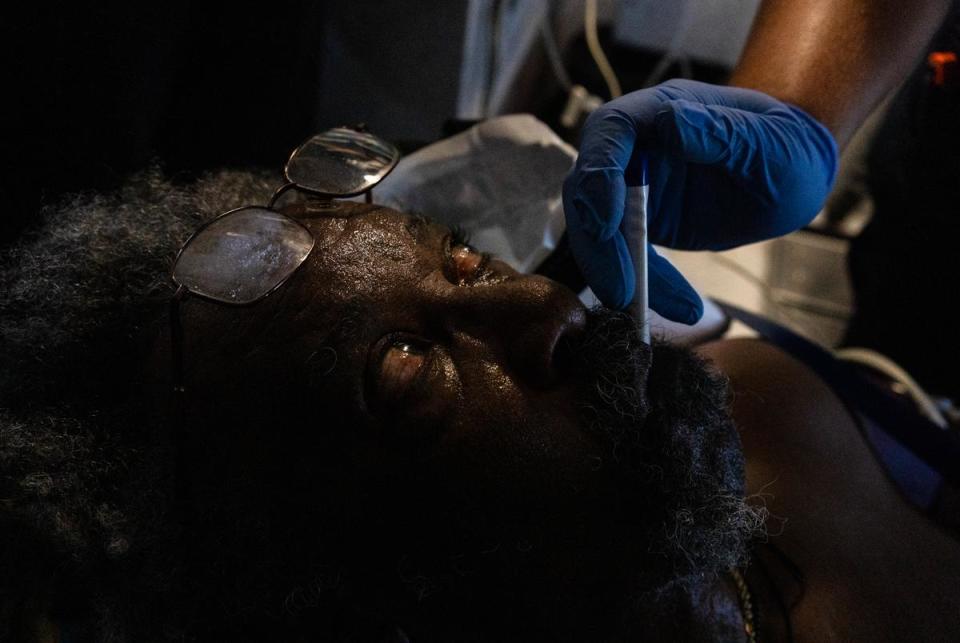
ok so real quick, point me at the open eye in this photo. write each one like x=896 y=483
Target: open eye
x=401 y=361
x=465 y=263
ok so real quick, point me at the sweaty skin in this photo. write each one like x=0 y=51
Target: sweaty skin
x=445 y=362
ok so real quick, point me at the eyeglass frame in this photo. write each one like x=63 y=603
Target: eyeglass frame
x=178 y=407
x=176 y=326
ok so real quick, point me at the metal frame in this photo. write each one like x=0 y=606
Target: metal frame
x=375 y=179
x=224 y=215
x=183 y=291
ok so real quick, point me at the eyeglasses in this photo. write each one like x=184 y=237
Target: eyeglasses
x=243 y=255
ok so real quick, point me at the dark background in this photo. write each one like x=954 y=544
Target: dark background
x=95 y=92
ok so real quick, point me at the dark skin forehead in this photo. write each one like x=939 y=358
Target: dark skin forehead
x=361 y=255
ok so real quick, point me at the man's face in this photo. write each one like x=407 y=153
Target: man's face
x=435 y=342
x=458 y=370
x=500 y=417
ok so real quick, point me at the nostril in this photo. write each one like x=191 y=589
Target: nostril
x=565 y=358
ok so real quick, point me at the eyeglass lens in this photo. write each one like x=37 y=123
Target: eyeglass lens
x=341 y=162
x=243 y=255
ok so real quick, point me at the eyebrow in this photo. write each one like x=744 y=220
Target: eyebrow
x=352 y=324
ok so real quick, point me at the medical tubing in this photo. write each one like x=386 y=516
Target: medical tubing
x=673 y=52
x=894 y=371
x=596 y=51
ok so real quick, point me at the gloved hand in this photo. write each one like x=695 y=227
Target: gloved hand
x=727 y=167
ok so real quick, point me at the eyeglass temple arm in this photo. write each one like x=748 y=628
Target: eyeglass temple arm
x=181 y=472
x=176 y=340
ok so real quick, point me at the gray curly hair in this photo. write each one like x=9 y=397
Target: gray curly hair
x=79 y=296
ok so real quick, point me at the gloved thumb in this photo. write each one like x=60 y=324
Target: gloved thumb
x=670 y=294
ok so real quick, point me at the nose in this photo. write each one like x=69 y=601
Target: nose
x=520 y=321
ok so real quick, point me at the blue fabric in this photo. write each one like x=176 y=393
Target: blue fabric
x=727 y=167
x=918 y=481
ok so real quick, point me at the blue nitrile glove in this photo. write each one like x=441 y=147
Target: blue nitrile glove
x=727 y=167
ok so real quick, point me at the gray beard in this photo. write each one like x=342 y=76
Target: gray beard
x=672 y=444
x=674 y=455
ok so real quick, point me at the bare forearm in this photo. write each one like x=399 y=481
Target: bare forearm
x=836 y=59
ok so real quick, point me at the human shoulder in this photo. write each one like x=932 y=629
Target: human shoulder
x=875 y=568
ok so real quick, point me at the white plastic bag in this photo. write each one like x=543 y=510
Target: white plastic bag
x=499 y=180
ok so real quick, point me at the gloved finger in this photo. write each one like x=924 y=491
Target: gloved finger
x=609 y=134
x=696 y=133
x=670 y=294
x=708 y=94
x=783 y=159
x=595 y=188
x=784 y=135
x=606 y=265
x=593 y=201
